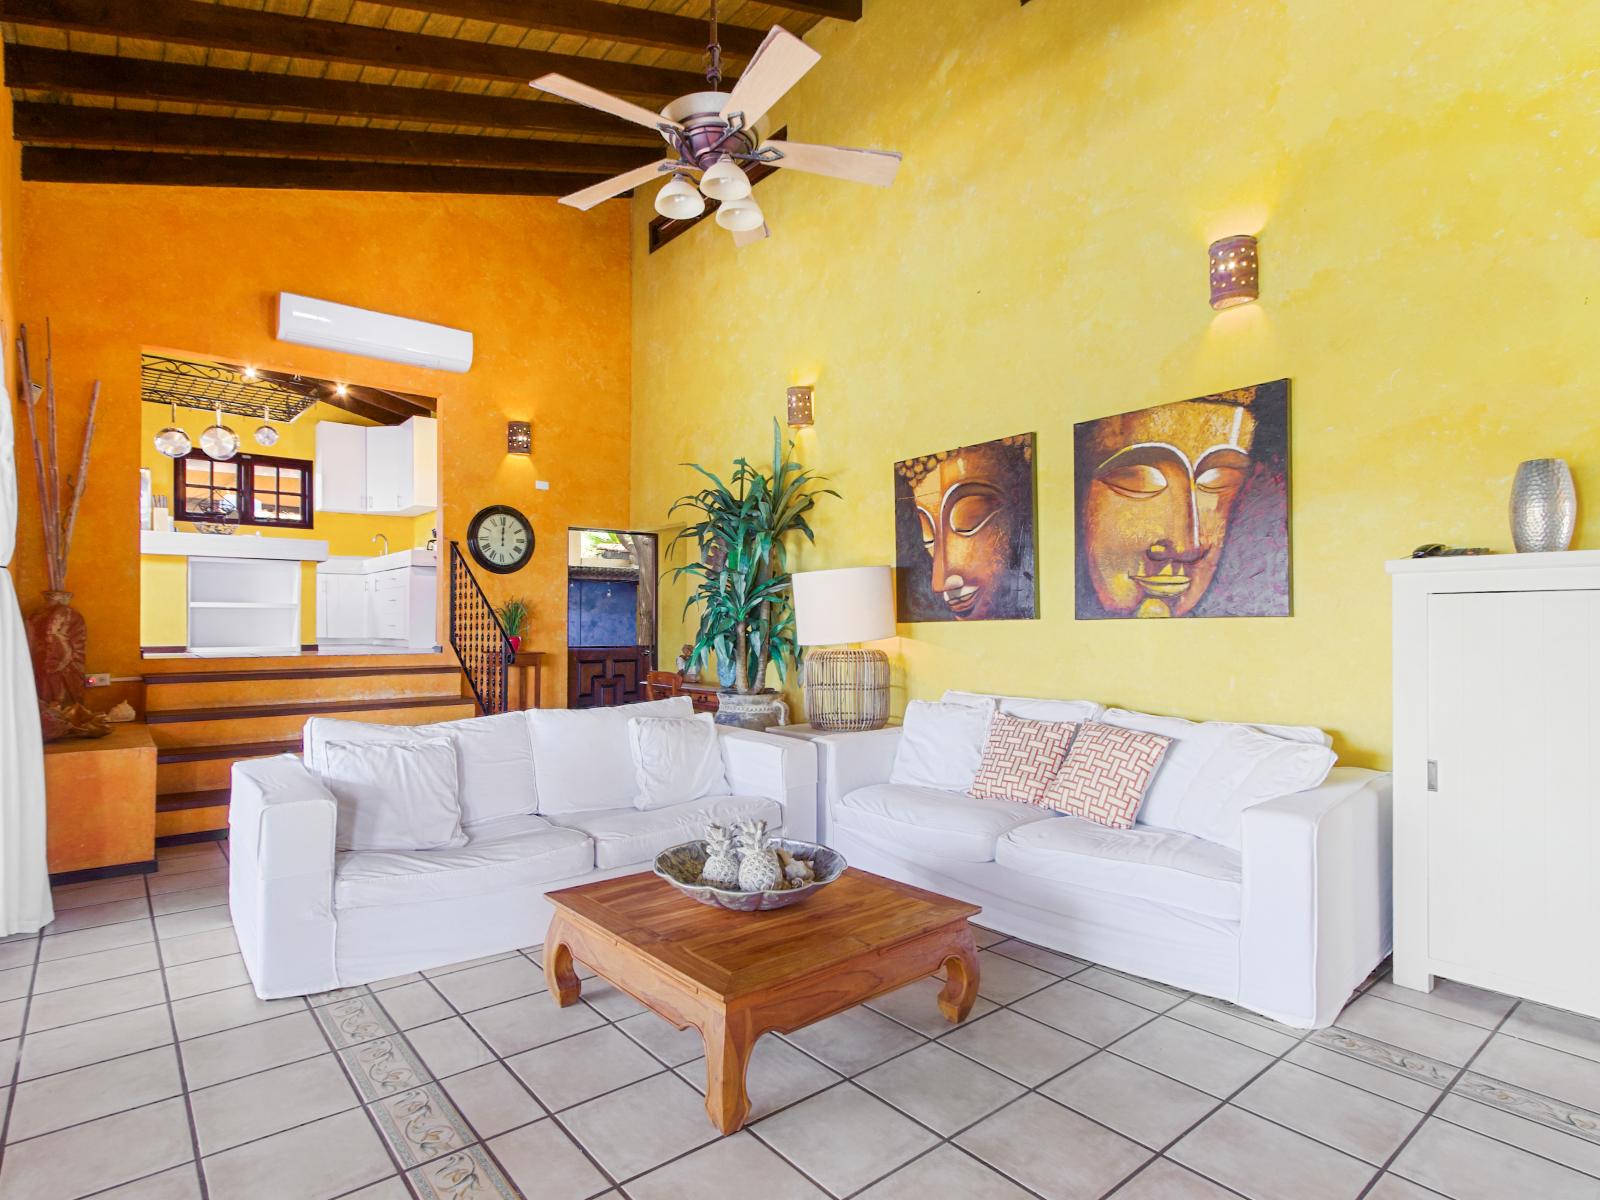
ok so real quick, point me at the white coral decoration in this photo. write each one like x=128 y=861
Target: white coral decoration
x=721 y=867
x=758 y=861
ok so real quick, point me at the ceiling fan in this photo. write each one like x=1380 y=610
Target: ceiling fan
x=711 y=133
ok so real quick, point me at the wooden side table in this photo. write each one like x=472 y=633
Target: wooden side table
x=100 y=804
x=526 y=679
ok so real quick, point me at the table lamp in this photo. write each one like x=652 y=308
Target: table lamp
x=845 y=690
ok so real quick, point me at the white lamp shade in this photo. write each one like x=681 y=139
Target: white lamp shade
x=740 y=216
x=848 y=604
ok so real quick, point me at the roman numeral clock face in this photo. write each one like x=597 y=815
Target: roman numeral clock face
x=501 y=539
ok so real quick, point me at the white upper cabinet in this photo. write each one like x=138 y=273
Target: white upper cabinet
x=339 y=475
x=388 y=470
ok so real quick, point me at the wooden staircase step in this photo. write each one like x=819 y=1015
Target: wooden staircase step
x=183 y=801
x=303 y=662
x=186 y=815
x=226 y=689
x=296 y=708
x=230 y=752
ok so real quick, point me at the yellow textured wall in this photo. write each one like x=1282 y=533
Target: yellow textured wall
x=543 y=288
x=163 y=580
x=1423 y=180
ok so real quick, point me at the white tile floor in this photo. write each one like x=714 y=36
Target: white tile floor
x=136 y=1063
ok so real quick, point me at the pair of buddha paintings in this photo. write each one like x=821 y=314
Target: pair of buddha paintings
x=1182 y=511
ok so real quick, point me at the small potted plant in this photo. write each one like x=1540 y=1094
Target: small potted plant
x=513 y=616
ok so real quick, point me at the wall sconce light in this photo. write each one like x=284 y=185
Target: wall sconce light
x=519 y=437
x=1235 y=271
x=800 y=412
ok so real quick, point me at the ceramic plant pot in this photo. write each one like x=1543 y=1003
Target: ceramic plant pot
x=58 y=639
x=759 y=710
x=1544 y=506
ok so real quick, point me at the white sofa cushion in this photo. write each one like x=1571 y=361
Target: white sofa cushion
x=624 y=837
x=581 y=758
x=494 y=757
x=675 y=760
x=1184 y=794
x=1247 y=768
x=499 y=855
x=941 y=744
x=395 y=795
x=1031 y=709
x=932 y=821
x=1158 y=865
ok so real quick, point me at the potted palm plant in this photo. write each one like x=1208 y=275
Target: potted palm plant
x=513 y=616
x=742 y=589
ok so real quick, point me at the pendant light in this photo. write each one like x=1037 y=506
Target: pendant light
x=266 y=435
x=740 y=216
x=679 y=200
x=725 y=181
x=220 y=442
x=172 y=441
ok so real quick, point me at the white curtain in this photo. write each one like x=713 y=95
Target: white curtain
x=24 y=880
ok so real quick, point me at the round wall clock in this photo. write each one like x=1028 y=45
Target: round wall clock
x=501 y=539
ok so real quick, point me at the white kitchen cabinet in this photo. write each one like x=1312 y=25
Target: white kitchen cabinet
x=1497 y=774
x=394 y=471
x=342 y=606
x=339 y=474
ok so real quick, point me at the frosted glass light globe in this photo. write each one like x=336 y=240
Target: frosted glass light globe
x=725 y=181
x=679 y=200
x=740 y=216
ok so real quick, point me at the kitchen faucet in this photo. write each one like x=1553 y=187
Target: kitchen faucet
x=376 y=536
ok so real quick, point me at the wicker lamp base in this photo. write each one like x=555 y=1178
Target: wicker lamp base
x=847 y=690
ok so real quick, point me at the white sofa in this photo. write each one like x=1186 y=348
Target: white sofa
x=311 y=918
x=1288 y=925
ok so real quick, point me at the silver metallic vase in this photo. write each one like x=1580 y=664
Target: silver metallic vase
x=1544 y=506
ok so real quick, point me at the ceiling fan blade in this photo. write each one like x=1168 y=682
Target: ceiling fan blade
x=777 y=66
x=582 y=93
x=841 y=162
x=615 y=186
x=750 y=236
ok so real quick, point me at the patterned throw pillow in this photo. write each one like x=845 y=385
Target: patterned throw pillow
x=1020 y=758
x=1107 y=773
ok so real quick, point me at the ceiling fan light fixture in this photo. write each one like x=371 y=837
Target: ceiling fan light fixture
x=679 y=200
x=740 y=216
x=724 y=180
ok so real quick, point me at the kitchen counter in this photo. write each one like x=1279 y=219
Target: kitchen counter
x=383 y=562
x=231 y=545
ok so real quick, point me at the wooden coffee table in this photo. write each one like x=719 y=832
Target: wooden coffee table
x=735 y=976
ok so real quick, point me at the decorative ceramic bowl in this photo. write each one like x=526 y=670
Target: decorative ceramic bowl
x=681 y=865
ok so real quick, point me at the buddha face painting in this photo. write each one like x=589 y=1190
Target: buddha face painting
x=964 y=533
x=1183 y=508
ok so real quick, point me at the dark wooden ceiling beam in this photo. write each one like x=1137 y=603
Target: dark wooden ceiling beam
x=75 y=125
x=252 y=31
x=64 y=72
x=52 y=164
x=595 y=19
x=403 y=406
x=839 y=10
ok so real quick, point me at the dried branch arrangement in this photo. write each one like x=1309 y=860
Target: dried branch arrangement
x=58 y=524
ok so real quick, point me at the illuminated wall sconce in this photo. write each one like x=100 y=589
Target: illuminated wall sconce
x=519 y=437
x=1235 y=271
x=800 y=413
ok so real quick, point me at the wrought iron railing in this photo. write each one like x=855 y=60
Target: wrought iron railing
x=479 y=640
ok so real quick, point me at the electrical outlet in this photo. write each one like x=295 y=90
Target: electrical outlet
x=542 y=485
x=98 y=679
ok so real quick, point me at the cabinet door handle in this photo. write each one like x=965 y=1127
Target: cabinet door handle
x=1433 y=775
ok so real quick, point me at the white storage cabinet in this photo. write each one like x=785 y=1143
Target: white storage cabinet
x=384 y=470
x=1497 y=774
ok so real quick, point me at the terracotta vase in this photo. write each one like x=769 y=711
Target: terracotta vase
x=58 y=639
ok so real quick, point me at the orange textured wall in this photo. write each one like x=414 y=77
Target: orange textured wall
x=544 y=289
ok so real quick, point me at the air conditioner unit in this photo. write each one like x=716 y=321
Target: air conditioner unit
x=330 y=326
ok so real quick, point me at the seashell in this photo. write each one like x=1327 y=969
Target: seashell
x=121 y=712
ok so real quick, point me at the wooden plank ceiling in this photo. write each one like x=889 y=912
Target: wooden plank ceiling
x=415 y=96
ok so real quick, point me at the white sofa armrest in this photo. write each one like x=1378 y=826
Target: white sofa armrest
x=281 y=827
x=776 y=768
x=1316 y=913
x=847 y=761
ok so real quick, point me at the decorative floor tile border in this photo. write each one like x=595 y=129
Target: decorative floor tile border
x=465 y=1175
x=1381 y=1054
x=355 y=1020
x=1543 y=1110
x=383 y=1067
x=421 y=1124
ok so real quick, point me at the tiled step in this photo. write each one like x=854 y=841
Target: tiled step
x=209 y=726
x=219 y=689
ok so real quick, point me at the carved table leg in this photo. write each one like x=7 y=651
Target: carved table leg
x=961 y=982
x=728 y=1047
x=559 y=976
